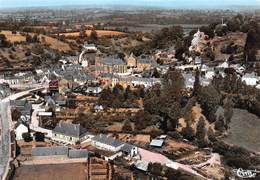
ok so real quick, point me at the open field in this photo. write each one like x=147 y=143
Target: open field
x=51 y=172
x=47 y=40
x=55 y=43
x=13 y=37
x=244 y=130
x=100 y=33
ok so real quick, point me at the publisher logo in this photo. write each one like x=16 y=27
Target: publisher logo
x=245 y=173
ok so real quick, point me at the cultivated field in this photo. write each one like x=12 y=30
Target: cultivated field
x=100 y=33
x=51 y=172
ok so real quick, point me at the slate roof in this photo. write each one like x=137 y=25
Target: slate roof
x=69 y=129
x=78 y=153
x=146 y=60
x=127 y=148
x=23 y=106
x=72 y=72
x=50 y=151
x=107 y=140
x=111 y=61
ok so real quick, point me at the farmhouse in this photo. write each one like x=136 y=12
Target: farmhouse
x=250 y=79
x=68 y=133
x=20 y=129
x=106 y=143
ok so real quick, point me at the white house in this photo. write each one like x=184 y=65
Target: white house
x=90 y=47
x=94 y=90
x=250 y=79
x=210 y=74
x=224 y=65
x=106 y=143
x=21 y=128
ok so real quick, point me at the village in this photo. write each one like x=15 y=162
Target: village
x=102 y=94
x=43 y=129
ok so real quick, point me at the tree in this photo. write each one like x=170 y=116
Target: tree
x=165 y=101
x=82 y=34
x=220 y=124
x=228 y=110
x=93 y=35
x=27 y=137
x=167 y=36
x=142 y=120
x=28 y=38
x=127 y=127
x=201 y=131
x=221 y=30
x=35 y=38
x=211 y=135
x=16 y=114
x=196 y=86
x=39 y=137
x=209 y=99
x=208 y=31
x=155 y=168
x=3 y=41
x=188 y=133
x=156 y=73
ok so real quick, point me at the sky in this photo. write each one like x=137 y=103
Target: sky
x=159 y=3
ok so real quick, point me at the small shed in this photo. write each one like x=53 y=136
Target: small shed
x=157 y=142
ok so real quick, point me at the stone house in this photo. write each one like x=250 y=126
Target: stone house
x=69 y=133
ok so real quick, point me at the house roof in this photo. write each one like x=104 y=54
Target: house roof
x=78 y=153
x=250 y=75
x=157 y=142
x=50 y=151
x=146 y=60
x=111 y=61
x=127 y=148
x=69 y=129
x=107 y=140
x=23 y=106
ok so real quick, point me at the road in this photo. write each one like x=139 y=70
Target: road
x=35 y=122
x=6 y=127
x=5 y=138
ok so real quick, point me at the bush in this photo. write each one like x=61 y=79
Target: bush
x=27 y=137
x=39 y=137
x=188 y=133
x=238 y=162
x=175 y=134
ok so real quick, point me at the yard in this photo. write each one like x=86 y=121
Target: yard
x=51 y=172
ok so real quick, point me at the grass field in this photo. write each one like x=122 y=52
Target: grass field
x=13 y=37
x=52 y=42
x=100 y=33
x=244 y=130
x=55 y=43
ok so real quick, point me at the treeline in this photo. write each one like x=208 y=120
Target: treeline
x=118 y=97
x=243 y=96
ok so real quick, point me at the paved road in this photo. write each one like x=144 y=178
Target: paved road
x=5 y=137
x=6 y=126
